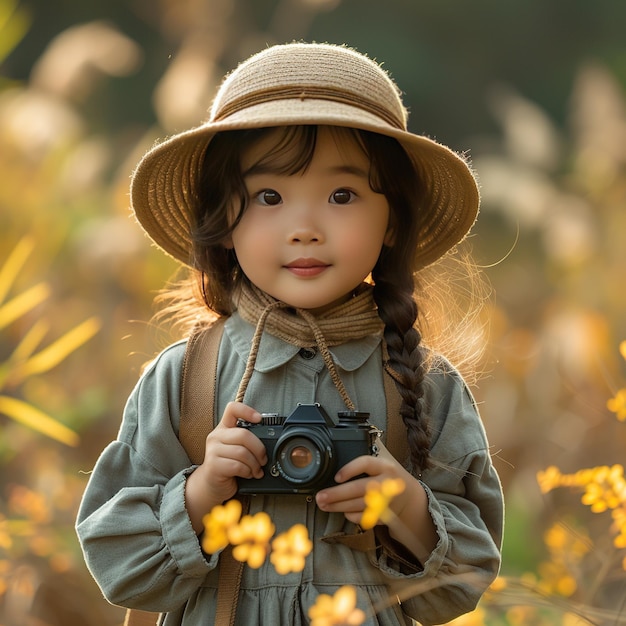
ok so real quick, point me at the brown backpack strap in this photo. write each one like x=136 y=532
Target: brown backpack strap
x=395 y=437
x=197 y=394
x=140 y=618
x=197 y=417
x=197 y=420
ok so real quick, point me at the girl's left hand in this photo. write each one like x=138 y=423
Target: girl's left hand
x=411 y=524
x=348 y=497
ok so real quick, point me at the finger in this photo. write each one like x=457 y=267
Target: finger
x=353 y=505
x=235 y=468
x=366 y=464
x=236 y=411
x=248 y=439
x=237 y=443
x=235 y=460
x=348 y=491
x=355 y=518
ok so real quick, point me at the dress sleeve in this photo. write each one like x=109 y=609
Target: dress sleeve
x=132 y=524
x=466 y=504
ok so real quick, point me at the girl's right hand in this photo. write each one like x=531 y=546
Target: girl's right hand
x=230 y=452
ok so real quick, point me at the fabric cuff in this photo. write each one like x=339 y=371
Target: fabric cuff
x=178 y=533
x=396 y=560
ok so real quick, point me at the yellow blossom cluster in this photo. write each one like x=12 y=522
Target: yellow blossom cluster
x=290 y=549
x=617 y=405
x=604 y=489
x=337 y=610
x=567 y=549
x=250 y=537
x=377 y=498
x=604 y=486
x=217 y=523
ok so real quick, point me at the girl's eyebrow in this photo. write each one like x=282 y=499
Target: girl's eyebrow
x=354 y=170
x=259 y=170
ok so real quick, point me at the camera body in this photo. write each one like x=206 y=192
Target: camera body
x=306 y=449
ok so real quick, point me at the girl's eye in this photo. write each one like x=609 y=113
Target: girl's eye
x=342 y=196
x=269 y=197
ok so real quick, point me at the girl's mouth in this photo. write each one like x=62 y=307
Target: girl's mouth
x=307 y=267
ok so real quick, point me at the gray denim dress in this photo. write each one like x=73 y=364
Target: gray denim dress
x=142 y=551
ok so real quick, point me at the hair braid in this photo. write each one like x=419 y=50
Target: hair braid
x=394 y=175
x=398 y=310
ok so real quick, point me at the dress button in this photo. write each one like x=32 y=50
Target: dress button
x=307 y=353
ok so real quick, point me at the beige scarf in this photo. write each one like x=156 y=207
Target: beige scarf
x=354 y=319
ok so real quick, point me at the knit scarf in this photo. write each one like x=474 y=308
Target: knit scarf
x=355 y=319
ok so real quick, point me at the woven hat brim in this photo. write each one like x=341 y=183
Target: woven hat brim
x=164 y=184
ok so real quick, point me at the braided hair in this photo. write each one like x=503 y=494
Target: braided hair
x=394 y=287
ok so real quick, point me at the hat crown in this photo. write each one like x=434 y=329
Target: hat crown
x=311 y=71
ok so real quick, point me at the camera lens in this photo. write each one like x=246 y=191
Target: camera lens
x=304 y=458
x=301 y=457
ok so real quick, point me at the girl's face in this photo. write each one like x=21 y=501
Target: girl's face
x=309 y=239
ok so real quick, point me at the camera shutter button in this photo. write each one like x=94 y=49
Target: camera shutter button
x=307 y=353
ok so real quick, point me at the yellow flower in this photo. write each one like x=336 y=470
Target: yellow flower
x=377 y=498
x=606 y=489
x=521 y=615
x=561 y=541
x=251 y=538
x=604 y=486
x=337 y=610
x=216 y=524
x=617 y=405
x=28 y=503
x=549 y=479
x=567 y=549
x=556 y=578
x=290 y=549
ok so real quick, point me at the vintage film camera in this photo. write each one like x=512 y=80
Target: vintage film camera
x=306 y=449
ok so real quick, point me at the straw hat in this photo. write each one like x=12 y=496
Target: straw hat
x=294 y=84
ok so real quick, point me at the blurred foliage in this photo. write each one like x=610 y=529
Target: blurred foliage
x=25 y=361
x=536 y=89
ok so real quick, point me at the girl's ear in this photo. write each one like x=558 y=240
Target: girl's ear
x=228 y=243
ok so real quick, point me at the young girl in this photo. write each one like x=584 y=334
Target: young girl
x=304 y=209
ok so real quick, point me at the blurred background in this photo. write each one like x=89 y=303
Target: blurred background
x=533 y=90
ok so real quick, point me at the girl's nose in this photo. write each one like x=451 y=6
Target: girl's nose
x=304 y=227
x=305 y=235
